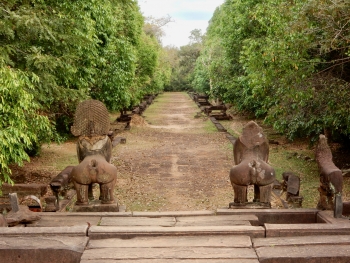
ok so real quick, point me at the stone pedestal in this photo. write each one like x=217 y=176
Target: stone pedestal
x=96 y=206
x=250 y=205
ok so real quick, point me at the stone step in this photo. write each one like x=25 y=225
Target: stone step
x=59 y=249
x=276 y=216
x=174 y=261
x=103 y=232
x=302 y=240
x=73 y=231
x=331 y=248
x=230 y=220
x=280 y=230
x=124 y=254
x=173 y=213
x=60 y=220
x=304 y=254
x=173 y=241
x=138 y=221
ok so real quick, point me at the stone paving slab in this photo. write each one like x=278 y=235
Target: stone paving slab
x=174 y=241
x=169 y=253
x=102 y=232
x=58 y=249
x=228 y=220
x=43 y=231
x=54 y=221
x=305 y=254
x=276 y=216
x=86 y=214
x=301 y=241
x=327 y=217
x=280 y=230
x=241 y=260
x=138 y=221
x=174 y=213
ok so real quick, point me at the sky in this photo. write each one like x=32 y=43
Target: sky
x=186 y=14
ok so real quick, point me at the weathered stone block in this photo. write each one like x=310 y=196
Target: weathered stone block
x=288 y=230
x=56 y=249
x=23 y=190
x=100 y=232
x=304 y=254
x=169 y=253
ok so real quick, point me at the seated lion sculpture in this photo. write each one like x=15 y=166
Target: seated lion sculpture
x=251 y=154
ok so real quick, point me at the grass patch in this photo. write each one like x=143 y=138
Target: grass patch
x=209 y=126
x=59 y=156
x=135 y=200
x=227 y=126
x=284 y=160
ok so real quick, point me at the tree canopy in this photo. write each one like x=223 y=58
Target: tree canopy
x=286 y=61
x=54 y=54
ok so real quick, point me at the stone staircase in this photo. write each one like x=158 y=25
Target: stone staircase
x=226 y=235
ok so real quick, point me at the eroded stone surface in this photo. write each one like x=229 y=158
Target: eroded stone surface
x=280 y=230
x=73 y=231
x=174 y=241
x=58 y=249
x=331 y=178
x=60 y=220
x=304 y=254
x=23 y=215
x=176 y=261
x=169 y=253
x=138 y=221
x=251 y=154
x=217 y=220
x=96 y=206
x=302 y=240
x=100 y=232
x=174 y=213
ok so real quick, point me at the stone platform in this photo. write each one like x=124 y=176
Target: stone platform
x=225 y=235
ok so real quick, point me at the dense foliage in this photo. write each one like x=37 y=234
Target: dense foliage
x=184 y=61
x=54 y=54
x=287 y=61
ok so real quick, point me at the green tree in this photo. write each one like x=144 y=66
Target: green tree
x=183 y=72
x=119 y=28
x=284 y=60
x=54 y=54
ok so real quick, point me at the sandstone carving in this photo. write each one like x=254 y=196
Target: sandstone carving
x=94 y=150
x=331 y=178
x=251 y=154
x=291 y=184
x=94 y=169
x=19 y=213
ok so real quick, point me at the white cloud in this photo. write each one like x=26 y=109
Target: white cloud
x=187 y=15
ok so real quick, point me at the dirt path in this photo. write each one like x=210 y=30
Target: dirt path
x=173 y=161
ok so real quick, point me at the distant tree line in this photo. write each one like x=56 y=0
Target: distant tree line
x=54 y=54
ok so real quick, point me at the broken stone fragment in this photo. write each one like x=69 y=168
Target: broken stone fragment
x=23 y=215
